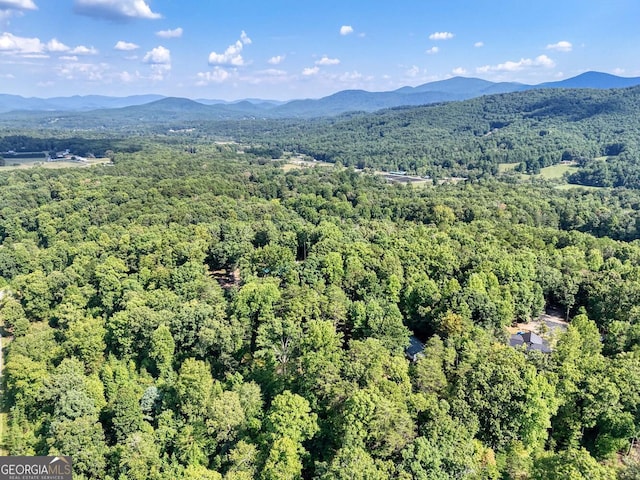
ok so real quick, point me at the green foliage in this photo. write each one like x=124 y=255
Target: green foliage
x=198 y=315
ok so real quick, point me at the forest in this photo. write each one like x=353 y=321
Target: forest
x=197 y=311
x=598 y=130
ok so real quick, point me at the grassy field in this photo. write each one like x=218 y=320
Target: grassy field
x=23 y=163
x=506 y=167
x=555 y=172
x=569 y=186
x=295 y=164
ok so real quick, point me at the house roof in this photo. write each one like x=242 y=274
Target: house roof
x=531 y=340
x=415 y=347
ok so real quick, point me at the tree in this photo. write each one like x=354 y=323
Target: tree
x=290 y=416
x=13 y=318
x=194 y=387
x=162 y=349
x=283 y=461
x=353 y=463
x=85 y=339
x=140 y=457
x=571 y=464
x=35 y=295
x=83 y=439
x=510 y=399
x=109 y=275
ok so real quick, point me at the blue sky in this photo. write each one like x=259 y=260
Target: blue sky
x=286 y=49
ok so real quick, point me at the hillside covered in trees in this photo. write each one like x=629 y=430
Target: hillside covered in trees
x=596 y=129
x=194 y=313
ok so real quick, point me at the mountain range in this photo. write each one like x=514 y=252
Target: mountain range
x=452 y=89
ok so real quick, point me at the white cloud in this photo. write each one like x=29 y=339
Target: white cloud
x=17 y=5
x=277 y=60
x=478 y=44
x=327 y=61
x=158 y=56
x=232 y=55
x=115 y=9
x=82 y=50
x=69 y=58
x=562 y=46
x=175 y=33
x=273 y=72
x=217 y=75
x=414 y=71
x=158 y=71
x=353 y=77
x=618 y=71
x=14 y=45
x=310 y=71
x=89 y=71
x=459 y=71
x=441 y=36
x=433 y=51
x=159 y=59
x=127 y=77
x=346 y=30
x=125 y=46
x=56 y=46
x=509 y=66
x=7 y=75
x=244 y=38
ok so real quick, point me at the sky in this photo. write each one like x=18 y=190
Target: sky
x=285 y=49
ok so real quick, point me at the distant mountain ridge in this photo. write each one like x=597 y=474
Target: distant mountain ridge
x=452 y=89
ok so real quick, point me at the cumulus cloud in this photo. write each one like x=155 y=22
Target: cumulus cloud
x=561 y=46
x=118 y=10
x=17 y=5
x=441 y=36
x=82 y=50
x=160 y=60
x=232 y=55
x=346 y=29
x=277 y=60
x=217 y=75
x=54 y=45
x=327 y=61
x=459 y=71
x=478 y=44
x=14 y=45
x=353 y=77
x=412 y=72
x=158 y=56
x=175 y=33
x=310 y=71
x=540 y=61
x=88 y=71
x=433 y=51
x=126 y=77
x=125 y=46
